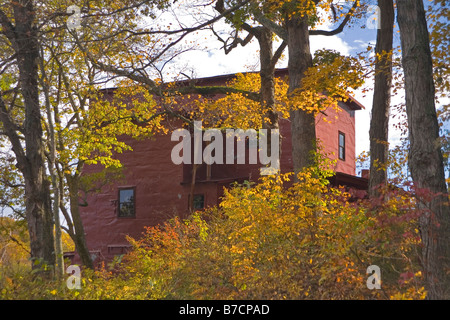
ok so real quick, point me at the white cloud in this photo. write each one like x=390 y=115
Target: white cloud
x=330 y=42
x=213 y=62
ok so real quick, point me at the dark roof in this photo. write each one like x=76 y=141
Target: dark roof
x=344 y=179
x=204 y=81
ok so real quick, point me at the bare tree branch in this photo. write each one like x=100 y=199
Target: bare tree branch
x=10 y=129
x=228 y=47
x=273 y=26
x=277 y=55
x=340 y=28
x=8 y=28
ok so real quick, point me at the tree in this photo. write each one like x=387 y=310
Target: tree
x=267 y=60
x=438 y=17
x=81 y=126
x=273 y=16
x=303 y=122
x=39 y=48
x=425 y=156
x=379 y=123
x=21 y=44
x=291 y=23
x=439 y=25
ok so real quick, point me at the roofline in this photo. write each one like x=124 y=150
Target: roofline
x=352 y=102
x=349 y=180
x=357 y=105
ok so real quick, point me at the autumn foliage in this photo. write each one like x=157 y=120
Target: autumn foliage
x=272 y=240
x=269 y=241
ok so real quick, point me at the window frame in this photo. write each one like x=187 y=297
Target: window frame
x=193 y=201
x=119 y=189
x=341 y=147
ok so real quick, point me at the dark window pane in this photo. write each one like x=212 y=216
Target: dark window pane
x=126 y=203
x=199 y=202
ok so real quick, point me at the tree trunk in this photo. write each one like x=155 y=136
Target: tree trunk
x=38 y=202
x=59 y=254
x=73 y=183
x=379 y=124
x=192 y=190
x=39 y=222
x=267 y=75
x=302 y=122
x=425 y=155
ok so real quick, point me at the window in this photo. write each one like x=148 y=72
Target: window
x=341 y=146
x=198 y=202
x=127 y=202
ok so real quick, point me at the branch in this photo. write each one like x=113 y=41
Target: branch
x=96 y=15
x=252 y=32
x=131 y=74
x=8 y=28
x=191 y=29
x=19 y=243
x=274 y=27
x=120 y=72
x=133 y=118
x=236 y=41
x=276 y=56
x=70 y=229
x=4 y=65
x=282 y=33
x=10 y=130
x=187 y=31
x=177 y=115
x=9 y=91
x=341 y=26
x=12 y=185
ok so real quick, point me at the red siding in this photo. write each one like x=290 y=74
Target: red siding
x=328 y=134
x=162 y=188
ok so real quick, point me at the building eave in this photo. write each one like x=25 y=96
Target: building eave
x=352 y=103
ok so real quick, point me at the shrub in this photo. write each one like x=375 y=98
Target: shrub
x=266 y=241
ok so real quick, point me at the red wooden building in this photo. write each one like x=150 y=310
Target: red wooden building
x=156 y=189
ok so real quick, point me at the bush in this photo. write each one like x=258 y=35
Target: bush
x=265 y=241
